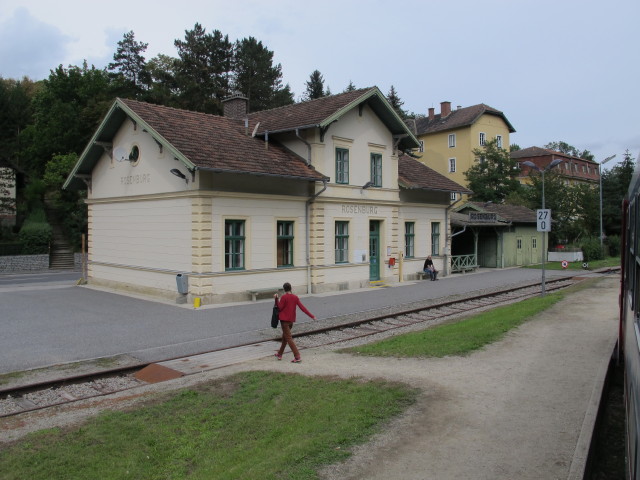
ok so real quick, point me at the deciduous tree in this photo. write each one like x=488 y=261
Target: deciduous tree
x=494 y=176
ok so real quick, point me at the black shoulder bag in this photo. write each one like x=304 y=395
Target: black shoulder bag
x=275 y=316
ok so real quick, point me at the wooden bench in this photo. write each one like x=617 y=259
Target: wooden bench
x=258 y=291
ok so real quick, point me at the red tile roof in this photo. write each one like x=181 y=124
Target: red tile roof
x=461 y=117
x=217 y=143
x=413 y=174
x=303 y=114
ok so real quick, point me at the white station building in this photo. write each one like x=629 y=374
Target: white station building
x=320 y=194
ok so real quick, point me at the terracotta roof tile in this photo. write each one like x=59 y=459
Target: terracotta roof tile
x=414 y=174
x=462 y=117
x=218 y=143
x=512 y=213
x=303 y=114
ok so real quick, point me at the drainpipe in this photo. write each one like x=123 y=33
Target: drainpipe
x=308 y=232
x=445 y=267
x=307 y=144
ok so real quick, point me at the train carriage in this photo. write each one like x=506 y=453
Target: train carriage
x=629 y=335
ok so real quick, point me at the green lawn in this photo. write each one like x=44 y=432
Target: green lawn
x=462 y=337
x=254 y=425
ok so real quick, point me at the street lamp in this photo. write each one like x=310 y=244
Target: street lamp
x=600 y=175
x=542 y=171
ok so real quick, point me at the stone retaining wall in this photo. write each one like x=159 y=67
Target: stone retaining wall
x=31 y=263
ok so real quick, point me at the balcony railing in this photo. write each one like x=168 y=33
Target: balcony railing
x=463 y=263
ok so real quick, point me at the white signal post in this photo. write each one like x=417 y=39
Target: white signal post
x=543 y=215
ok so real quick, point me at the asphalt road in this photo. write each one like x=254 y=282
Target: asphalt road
x=45 y=319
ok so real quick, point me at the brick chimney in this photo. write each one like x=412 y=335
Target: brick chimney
x=445 y=109
x=432 y=113
x=235 y=106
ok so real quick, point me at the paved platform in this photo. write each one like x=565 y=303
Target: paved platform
x=66 y=323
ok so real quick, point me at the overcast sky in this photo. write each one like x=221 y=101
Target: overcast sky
x=559 y=69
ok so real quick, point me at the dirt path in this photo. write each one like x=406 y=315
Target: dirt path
x=512 y=410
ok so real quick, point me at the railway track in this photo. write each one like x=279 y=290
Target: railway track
x=16 y=401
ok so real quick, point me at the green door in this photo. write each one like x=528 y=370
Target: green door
x=374 y=250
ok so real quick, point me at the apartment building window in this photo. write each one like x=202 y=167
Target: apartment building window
x=234 y=244
x=342 y=242
x=409 y=239
x=483 y=139
x=285 y=244
x=376 y=169
x=499 y=141
x=435 y=238
x=421 y=147
x=452 y=140
x=452 y=165
x=342 y=165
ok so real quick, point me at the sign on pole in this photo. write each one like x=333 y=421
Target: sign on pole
x=544 y=219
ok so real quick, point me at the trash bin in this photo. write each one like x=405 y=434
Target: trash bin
x=182 y=280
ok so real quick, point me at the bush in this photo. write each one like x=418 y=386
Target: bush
x=591 y=249
x=35 y=234
x=613 y=242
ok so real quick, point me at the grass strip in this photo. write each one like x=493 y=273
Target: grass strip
x=460 y=338
x=254 y=425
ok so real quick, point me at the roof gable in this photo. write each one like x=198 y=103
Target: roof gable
x=322 y=112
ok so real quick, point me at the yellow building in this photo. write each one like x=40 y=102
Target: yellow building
x=447 y=139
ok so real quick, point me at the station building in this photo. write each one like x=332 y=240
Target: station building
x=227 y=208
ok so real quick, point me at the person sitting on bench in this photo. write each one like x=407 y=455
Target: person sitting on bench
x=430 y=269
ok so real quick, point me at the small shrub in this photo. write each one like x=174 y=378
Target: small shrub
x=35 y=234
x=591 y=249
x=613 y=242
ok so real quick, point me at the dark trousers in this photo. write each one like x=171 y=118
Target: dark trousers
x=287 y=339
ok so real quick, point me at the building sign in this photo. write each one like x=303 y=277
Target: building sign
x=360 y=209
x=483 y=217
x=136 y=179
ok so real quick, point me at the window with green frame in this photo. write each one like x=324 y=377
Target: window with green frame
x=342 y=242
x=234 y=244
x=285 y=244
x=342 y=165
x=435 y=238
x=409 y=239
x=376 y=169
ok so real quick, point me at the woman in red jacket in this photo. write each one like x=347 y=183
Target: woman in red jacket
x=287 y=307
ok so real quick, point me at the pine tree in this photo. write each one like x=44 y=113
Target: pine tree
x=129 y=63
x=350 y=88
x=256 y=77
x=203 y=69
x=315 y=86
x=396 y=103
